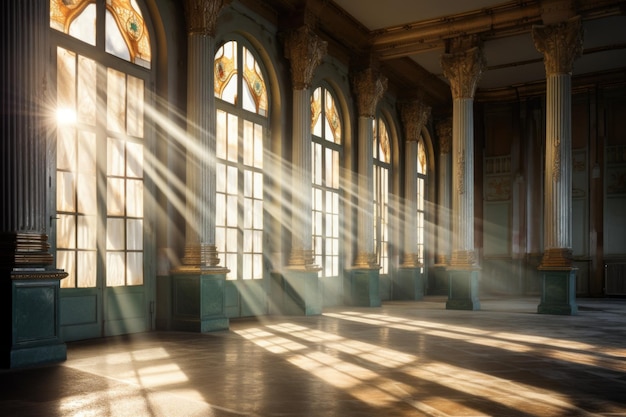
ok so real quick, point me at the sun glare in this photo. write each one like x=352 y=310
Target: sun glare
x=66 y=116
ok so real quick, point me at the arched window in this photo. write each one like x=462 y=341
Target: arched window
x=326 y=153
x=382 y=167
x=421 y=197
x=242 y=109
x=101 y=144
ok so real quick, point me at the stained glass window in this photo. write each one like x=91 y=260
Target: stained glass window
x=227 y=77
x=381 y=158
x=326 y=152
x=241 y=127
x=126 y=35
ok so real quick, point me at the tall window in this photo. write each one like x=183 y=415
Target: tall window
x=241 y=125
x=421 y=198
x=100 y=140
x=382 y=159
x=326 y=143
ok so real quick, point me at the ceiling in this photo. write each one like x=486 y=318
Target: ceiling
x=406 y=38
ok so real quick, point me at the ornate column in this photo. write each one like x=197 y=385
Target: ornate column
x=463 y=69
x=199 y=281
x=305 y=50
x=409 y=282
x=29 y=281
x=560 y=45
x=369 y=87
x=444 y=134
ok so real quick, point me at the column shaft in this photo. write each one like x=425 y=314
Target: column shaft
x=444 y=204
x=365 y=195
x=410 y=193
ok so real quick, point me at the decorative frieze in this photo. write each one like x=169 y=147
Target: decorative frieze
x=305 y=50
x=369 y=87
x=560 y=44
x=202 y=16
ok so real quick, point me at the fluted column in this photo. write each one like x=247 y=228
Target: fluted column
x=414 y=116
x=369 y=87
x=305 y=51
x=463 y=70
x=26 y=122
x=444 y=133
x=200 y=248
x=560 y=45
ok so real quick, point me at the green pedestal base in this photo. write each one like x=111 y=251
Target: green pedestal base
x=295 y=293
x=408 y=284
x=30 y=319
x=363 y=287
x=558 y=293
x=198 y=302
x=463 y=289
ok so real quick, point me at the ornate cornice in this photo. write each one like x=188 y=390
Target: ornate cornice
x=202 y=16
x=305 y=51
x=369 y=87
x=414 y=115
x=444 y=132
x=463 y=70
x=560 y=44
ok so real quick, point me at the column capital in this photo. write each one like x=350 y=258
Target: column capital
x=202 y=16
x=444 y=133
x=560 y=44
x=414 y=116
x=305 y=50
x=369 y=86
x=463 y=70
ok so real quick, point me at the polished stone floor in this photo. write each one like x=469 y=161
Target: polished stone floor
x=403 y=359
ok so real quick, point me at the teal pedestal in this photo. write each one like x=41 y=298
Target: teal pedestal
x=30 y=318
x=363 y=287
x=463 y=289
x=198 y=302
x=439 y=280
x=296 y=292
x=408 y=284
x=558 y=292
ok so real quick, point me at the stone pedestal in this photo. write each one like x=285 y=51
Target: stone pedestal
x=363 y=287
x=558 y=291
x=296 y=292
x=30 y=318
x=463 y=289
x=408 y=284
x=198 y=302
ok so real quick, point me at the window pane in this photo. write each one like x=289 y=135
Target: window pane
x=65 y=191
x=115 y=43
x=83 y=27
x=66 y=261
x=86 y=91
x=66 y=231
x=233 y=138
x=86 y=269
x=115 y=234
x=248 y=143
x=134 y=268
x=115 y=269
x=134 y=162
x=66 y=80
x=231 y=204
x=115 y=157
x=135 y=106
x=220 y=140
x=258 y=185
x=134 y=198
x=87 y=193
x=134 y=234
x=87 y=232
x=258 y=146
x=115 y=197
x=66 y=149
x=116 y=100
x=258 y=214
x=247 y=213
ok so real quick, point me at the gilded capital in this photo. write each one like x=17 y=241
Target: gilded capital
x=369 y=87
x=444 y=133
x=414 y=115
x=463 y=70
x=560 y=44
x=202 y=16
x=305 y=50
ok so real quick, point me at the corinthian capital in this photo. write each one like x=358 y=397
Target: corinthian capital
x=369 y=87
x=560 y=44
x=305 y=50
x=444 y=132
x=202 y=16
x=414 y=115
x=463 y=70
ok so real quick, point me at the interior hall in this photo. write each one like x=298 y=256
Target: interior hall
x=313 y=208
